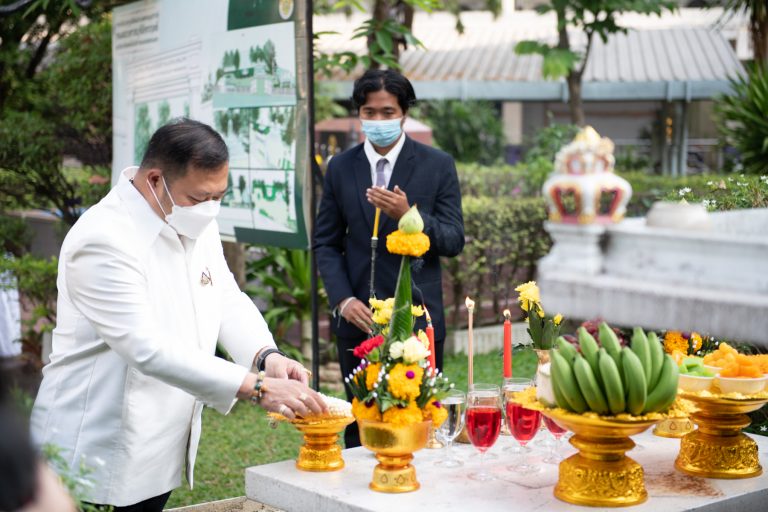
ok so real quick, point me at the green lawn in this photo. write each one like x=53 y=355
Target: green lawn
x=232 y=443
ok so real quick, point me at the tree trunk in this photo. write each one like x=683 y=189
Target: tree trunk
x=574 y=98
x=234 y=254
x=380 y=14
x=306 y=338
x=759 y=32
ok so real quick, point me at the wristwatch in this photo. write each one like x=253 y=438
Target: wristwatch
x=261 y=361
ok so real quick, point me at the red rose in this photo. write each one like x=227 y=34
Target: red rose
x=366 y=347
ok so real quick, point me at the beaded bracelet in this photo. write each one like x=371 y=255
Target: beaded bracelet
x=258 y=388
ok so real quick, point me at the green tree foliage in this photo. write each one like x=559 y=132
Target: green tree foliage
x=65 y=108
x=757 y=11
x=742 y=119
x=595 y=18
x=471 y=131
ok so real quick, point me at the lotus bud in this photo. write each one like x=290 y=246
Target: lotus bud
x=411 y=222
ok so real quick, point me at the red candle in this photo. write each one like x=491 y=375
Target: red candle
x=431 y=337
x=507 y=345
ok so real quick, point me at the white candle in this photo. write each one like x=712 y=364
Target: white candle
x=470 y=309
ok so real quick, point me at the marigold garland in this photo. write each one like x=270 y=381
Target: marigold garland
x=405 y=381
x=436 y=412
x=674 y=342
x=365 y=411
x=403 y=415
x=372 y=375
x=415 y=244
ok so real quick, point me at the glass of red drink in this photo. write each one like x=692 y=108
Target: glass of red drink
x=522 y=423
x=483 y=418
x=555 y=456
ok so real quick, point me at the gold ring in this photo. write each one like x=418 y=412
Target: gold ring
x=308 y=372
x=284 y=408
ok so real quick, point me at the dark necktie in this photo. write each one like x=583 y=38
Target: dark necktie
x=381 y=180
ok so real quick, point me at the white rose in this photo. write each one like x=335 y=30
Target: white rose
x=414 y=350
x=396 y=350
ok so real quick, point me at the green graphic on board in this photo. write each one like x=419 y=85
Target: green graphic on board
x=254 y=13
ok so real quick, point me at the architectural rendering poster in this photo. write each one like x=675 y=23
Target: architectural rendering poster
x=233 y=64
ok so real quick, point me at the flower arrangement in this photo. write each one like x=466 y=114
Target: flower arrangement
x=680 y=344
x=543 y=329
x=394 y=382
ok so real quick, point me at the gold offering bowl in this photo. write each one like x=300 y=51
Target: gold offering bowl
x=673 y=427
x=320 y=451
x=600 y=475
x=394 y=446
x=718 y=448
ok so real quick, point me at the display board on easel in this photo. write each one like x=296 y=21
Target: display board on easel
x=239 y=66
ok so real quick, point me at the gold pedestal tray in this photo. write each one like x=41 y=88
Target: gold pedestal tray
x=320 y=451
x=718 y=449
x=600 y=475
x=394 y=446
x=673 y=427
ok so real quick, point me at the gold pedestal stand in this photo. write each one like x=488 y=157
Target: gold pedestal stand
x=673 y=427
x=320 y=451
x=718 y=449
x=394 y=446
x=600 y=475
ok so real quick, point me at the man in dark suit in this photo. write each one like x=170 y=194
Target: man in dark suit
x=392 y=172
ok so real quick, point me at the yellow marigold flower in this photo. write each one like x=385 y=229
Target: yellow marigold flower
x=558 y=319
x=403 y=415
x=416 y=244
x=405 y=381
x=696 y=341
x=417 y=311
x=436 y=412
x=363 y=411
x=372 y=375
x=674 y=342
x=376 y=303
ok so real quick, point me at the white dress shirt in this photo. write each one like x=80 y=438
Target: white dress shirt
x=133 y=350
x=391 y=158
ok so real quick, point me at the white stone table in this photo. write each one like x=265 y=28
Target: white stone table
x=282 y=486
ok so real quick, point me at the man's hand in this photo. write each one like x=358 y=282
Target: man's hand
x=392 y=202
x=280 y=367
x=359 y=315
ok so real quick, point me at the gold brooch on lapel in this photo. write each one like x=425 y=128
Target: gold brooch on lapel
x=205 y=278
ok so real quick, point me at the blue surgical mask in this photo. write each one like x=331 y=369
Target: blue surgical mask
x=382 y=133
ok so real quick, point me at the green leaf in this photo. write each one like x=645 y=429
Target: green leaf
x=532 y=47
x=385 y=41
x=400 y=323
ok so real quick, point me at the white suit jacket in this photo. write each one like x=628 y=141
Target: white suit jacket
x=133 y=350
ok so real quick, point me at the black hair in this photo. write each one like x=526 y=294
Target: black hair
x=391 y=81
x=183 y=144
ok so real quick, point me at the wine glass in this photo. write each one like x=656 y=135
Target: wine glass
x=454 y=404
x=511 y=385
x=523 y=423
x=555 y=455
x=483 y=423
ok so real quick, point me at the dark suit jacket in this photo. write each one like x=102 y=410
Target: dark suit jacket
x=342 y=241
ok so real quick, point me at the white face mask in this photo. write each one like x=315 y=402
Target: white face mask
x=189 y=221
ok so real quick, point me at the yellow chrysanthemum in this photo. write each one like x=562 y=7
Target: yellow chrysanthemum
x=417 y=311
x=372 y=375
x=529 y=292
x=558 y=319
x=363 y=411
x=403 y=415
x=436 y=412
x=422 y=337
x=415 y=244
x=674 y=342
x=696 y=341
x=382 y=316
x=405 y=381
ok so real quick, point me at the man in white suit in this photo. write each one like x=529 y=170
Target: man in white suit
x=144 y=296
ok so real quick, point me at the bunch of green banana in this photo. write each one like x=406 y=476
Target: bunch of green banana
x=611 y=379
